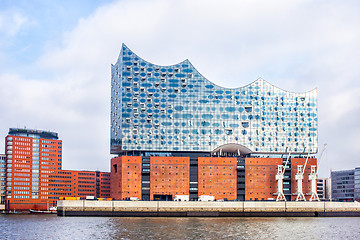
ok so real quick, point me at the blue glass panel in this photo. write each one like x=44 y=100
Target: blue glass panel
x=230 y=109
x=207 y=116
x=187 y=116
x=146 y=85
x=180 y=75
x=218 y=131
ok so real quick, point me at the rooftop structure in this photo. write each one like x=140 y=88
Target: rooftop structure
x=23 y=132
x=175 y=109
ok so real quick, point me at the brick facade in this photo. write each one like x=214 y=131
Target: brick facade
x=260 y=183
x=169 y=176
x=217 y=177
x=125 y=177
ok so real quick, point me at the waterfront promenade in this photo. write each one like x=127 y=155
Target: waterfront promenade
x=206 y=209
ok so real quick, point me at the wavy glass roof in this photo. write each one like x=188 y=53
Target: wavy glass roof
x=175 y=108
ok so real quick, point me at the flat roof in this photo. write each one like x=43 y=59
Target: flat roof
x=33 y=133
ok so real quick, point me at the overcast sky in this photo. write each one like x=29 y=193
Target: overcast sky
x=55 y=59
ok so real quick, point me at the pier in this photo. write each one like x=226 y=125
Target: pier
x=207 y=209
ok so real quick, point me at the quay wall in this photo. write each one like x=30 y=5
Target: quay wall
x=206 y=209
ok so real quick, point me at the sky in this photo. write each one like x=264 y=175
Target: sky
x=56 y=56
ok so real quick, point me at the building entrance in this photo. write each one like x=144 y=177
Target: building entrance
x=158 y=197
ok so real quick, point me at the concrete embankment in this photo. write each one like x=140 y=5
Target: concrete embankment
x=207 y=209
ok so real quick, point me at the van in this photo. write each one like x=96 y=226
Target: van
x=181 y=198
x=206 y=198
x=90 y=198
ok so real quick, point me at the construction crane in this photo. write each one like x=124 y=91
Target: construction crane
x=313 y=177
x=280 y=178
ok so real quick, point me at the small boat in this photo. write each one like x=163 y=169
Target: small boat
x=40 y=212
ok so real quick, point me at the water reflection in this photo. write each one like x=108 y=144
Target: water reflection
x=52 y=227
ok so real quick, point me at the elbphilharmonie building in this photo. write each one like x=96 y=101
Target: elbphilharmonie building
x=176 y=133
x=174 y=108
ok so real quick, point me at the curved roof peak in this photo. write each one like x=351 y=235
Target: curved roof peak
x=124 y=47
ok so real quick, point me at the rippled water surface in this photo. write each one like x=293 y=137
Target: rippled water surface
x=53 y=227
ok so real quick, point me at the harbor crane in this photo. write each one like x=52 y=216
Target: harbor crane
x=313 y=177
x=280 y=178
x=299 y=179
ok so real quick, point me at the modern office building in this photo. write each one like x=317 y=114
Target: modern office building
x=34 y=175
x=342 y=184
x=177 y=133
x=357 y=184
x=32 y=158
x=72 y=183
x=324 y=189
x=2 y=178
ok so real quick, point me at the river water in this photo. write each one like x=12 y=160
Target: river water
x=53 y=227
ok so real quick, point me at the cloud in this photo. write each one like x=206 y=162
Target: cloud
x=295 y=45
x=11 y=23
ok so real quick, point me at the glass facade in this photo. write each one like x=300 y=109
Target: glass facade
x=174 y=108
x=357 y=184
x=342 y=184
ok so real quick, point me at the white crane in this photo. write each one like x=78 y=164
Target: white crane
x=280 y=177
x=299 y=178
x=313 y=177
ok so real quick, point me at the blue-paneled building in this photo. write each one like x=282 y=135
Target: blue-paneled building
x=175 y=109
